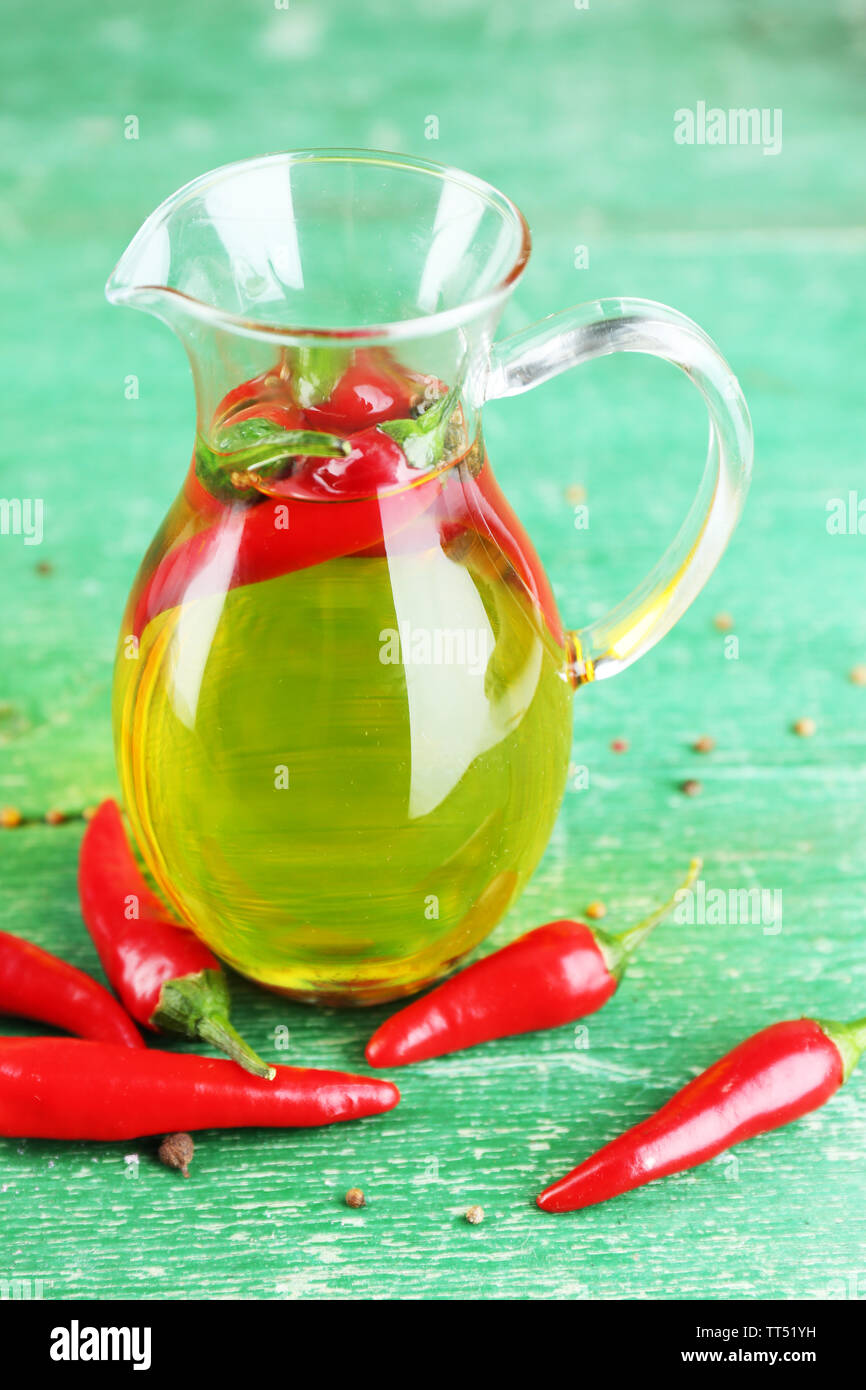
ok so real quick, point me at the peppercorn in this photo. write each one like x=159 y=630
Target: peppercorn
x=723 y=621
x=474 y=1215
x=704 y=744
x=355 y=1198
x=54 y=817
x=89 y=812
x=857 y=675
x=691 y=787
x=10 y=817
x=595 y=910
x=805 y=727
x=620 y=745
x=176 y=1151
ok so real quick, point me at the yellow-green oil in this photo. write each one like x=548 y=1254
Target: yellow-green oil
x=342 y=777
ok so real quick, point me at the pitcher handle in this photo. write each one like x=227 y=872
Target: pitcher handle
x=592 y=330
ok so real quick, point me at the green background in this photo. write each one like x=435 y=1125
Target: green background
x=571 y=113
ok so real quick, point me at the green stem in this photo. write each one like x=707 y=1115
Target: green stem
x=258 y=448
x=267 y=460
x=618 y=950
x=422 y=439
x=316 y=371
x=197 y=1006
x=850 y=1040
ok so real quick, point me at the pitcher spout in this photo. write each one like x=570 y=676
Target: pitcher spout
x=141 y=276
x=328 y=243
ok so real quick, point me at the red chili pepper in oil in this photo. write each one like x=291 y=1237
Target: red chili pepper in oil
x=245 y=537
x=241 y=489
x=250 y=546
x=772 y=1078
x=373 y=461
x=270 y=388
x=366 y=394
x=166 y=978
x=547 y=977
x=35 y=984
x=64 y=1088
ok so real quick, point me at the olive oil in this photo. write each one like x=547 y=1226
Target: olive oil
x=343 y=775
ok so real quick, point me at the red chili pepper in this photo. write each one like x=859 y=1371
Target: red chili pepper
x=249 y=546
x=374 y=461
x=781 y=1073
x=366 y=394
x=384 y=480
x=250 y=543
x=396 y=453
x=35 y=984
x=245 y=546
x=547 y=977
x=63 y=1088
x=483 y=507
x=288 y=417
x=166 y=977
x=269 y=387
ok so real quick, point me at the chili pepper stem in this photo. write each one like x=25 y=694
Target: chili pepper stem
x=422 y=439
x=850 y=1040
x=197 y=1006
x=271 y=456
x=222 y=1034
x=618 y=950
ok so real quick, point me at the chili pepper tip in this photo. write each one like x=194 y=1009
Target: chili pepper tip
x=550 y=1200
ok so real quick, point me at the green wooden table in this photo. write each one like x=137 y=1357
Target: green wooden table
x=571 y=112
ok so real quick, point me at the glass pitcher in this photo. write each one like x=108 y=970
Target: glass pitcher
x=342 y=698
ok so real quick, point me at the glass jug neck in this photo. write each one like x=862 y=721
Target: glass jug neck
x=342 y=242
x=331 y=421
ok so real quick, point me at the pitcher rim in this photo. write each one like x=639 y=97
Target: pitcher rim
x=421 y=326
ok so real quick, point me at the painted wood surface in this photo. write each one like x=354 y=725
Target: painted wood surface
x=571 y=112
